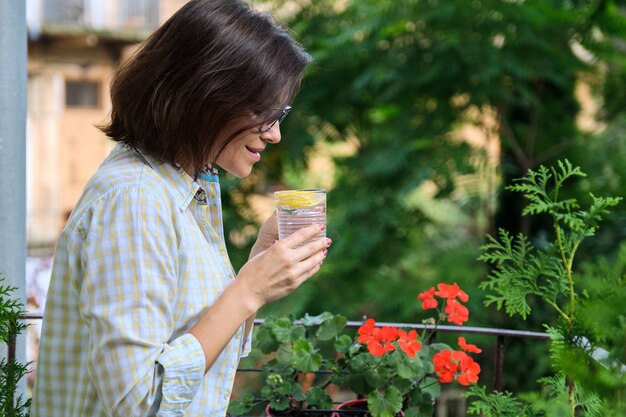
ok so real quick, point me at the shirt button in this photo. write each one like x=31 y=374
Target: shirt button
x=237 y=335
x=226 y=396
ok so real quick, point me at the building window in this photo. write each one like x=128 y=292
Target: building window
x=85 y=94
x=64 y=11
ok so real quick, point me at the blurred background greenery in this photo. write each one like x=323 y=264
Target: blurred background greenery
x=414 y=116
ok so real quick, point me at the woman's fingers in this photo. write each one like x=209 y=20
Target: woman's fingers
x=312 y=261
x=298 y=237
x=311 y=248
x=286 y=264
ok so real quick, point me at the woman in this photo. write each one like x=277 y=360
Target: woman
x=145 y=315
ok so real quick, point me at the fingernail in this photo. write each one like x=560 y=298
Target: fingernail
x=328 y=241
x=325 y=252
x=322 y=226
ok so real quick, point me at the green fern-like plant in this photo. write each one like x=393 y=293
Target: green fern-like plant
x=587 y=403
x=521 y=270
x=11 y=371
x=497 y=404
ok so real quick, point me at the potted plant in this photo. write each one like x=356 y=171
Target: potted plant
x=397 y=372
x=394 y=371
x=297 y=349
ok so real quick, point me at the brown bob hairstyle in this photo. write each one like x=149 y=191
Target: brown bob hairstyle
x=212 y=62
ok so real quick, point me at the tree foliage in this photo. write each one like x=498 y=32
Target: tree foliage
x=397 y=82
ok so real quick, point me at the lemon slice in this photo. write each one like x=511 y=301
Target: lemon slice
x=297 y=199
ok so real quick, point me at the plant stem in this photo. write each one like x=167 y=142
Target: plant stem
x=561 y=312
x=568 y=271
x=570 y=397
x=569 y=276
x=567 y=263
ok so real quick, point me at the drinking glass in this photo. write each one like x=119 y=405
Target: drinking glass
x=296 y=209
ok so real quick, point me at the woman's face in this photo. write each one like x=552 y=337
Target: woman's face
x=241 y=153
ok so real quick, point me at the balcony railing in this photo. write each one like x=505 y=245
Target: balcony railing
x=500 y=334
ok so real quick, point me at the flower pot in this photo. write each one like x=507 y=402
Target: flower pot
x=356 y=408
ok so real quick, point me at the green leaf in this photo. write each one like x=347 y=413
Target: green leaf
x=265 y=340
x=409 y=368
x=282 y=329
x=241 y=406
x=516 y=273
x=316 y=397
x=355 y=349
x=309 y=321
x=360 y=384
x=343 y=343
x=386 y=404
x=496 y=404
x=436 y=347
x=330 y=328
x=431 y=387
x=412 y=412
x=279 y=404
x=305 y=357
x=424 y=410
x=298 y=332
x=361 y=362
x=291 y=389
x=284 y=353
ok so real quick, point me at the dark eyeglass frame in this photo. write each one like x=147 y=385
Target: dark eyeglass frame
x=267 y=125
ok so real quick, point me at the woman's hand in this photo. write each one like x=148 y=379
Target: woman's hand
x=283 y=266
x=268 y=234
x=268 y=276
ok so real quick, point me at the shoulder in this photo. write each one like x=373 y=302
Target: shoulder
x=123 y=168
x=124 y=174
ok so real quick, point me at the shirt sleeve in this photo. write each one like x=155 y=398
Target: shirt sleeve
x=127 y=300
x=247 y=344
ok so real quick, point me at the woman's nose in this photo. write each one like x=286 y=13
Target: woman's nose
x=272 y=135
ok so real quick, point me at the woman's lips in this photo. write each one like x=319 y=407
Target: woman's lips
x=255 y=153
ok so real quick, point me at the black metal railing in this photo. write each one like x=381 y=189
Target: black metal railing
x=500 y=334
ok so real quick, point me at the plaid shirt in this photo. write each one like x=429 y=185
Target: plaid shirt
x=141 y=258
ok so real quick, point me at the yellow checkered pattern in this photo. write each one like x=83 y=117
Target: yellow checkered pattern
x=137 y=264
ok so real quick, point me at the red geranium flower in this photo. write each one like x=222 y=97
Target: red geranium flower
x=469 y=371
x=468 y=347
x=445 y=368
x=377 y=349
x=365 y=331
x=388 y=334
x=457 y=312
x=408 y=342
x=428 y=299
x=379 y=340
x=451 y=292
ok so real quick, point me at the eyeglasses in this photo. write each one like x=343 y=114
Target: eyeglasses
x=268 y=124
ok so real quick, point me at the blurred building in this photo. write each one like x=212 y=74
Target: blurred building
x=74 y=47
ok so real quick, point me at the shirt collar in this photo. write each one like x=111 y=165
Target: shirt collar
x=185 y=186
